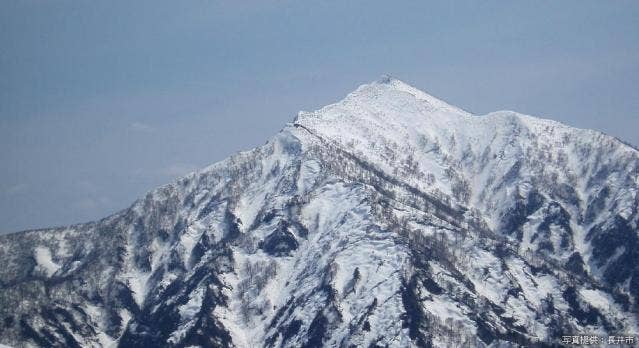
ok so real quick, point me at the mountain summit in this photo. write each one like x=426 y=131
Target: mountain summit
x=388 y=219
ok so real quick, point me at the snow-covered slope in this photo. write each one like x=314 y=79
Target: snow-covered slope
x=387 y=219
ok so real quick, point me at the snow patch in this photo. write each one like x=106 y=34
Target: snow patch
x=45 y=261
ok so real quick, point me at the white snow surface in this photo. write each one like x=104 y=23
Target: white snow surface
x=45 y=261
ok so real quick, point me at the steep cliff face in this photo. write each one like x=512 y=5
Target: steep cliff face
x=388 y=219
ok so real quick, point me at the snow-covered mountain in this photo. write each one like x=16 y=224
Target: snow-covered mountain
x=387 y=219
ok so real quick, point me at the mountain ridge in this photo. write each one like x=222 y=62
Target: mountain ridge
x=385 y=79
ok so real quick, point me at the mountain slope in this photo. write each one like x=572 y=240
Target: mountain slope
x=387 y=219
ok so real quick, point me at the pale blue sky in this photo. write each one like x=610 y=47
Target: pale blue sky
x=101 y=101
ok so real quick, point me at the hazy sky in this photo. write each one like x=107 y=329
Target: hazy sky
x=101 y=101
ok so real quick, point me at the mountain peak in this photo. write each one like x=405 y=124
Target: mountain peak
x=387 y=100
x=388 y=83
